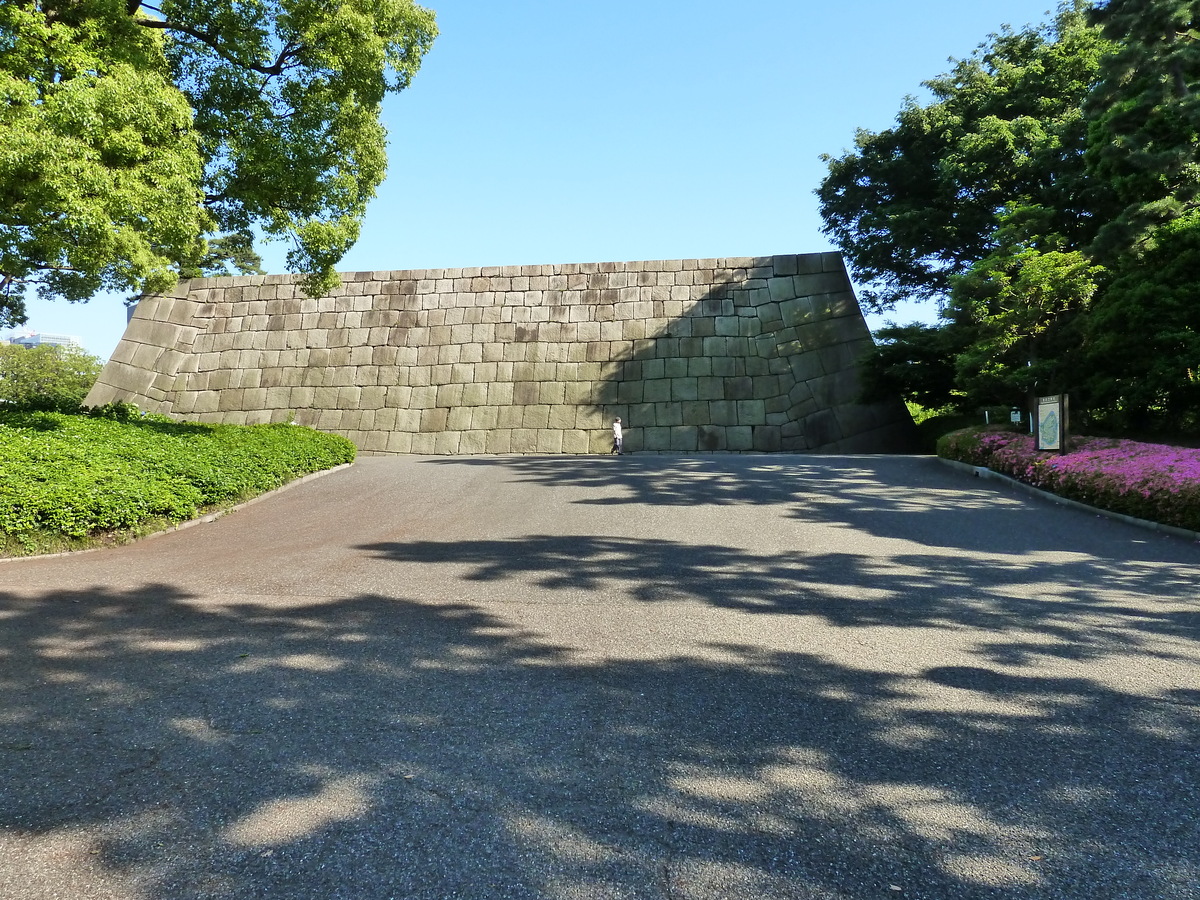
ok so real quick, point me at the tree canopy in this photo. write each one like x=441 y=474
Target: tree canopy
x=47 y=377
x=139 y=143
x=1144 y=118
x=919 y=203
x=1046 y=199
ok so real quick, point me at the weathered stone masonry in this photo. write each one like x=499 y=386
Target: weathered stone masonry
x=748 y=354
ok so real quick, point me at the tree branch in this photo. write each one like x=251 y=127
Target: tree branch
x=213 y=40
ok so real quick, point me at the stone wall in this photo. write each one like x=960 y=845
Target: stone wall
x=750 y=354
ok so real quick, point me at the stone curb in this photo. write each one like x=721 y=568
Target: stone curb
x=988 y=474
x=201 y=520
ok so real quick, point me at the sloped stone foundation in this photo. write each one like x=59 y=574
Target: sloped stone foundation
x=709 y=355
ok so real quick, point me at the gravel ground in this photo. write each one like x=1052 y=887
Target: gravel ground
x=592 y=677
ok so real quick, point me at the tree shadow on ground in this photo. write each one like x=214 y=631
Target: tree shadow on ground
x=1057 y=599
x=159 y=745
x=915 y=499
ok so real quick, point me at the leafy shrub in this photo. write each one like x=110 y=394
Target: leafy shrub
x=931 y=424
x=1150 y=481
x=87 y=475
x=118 y=410
x=46 y=377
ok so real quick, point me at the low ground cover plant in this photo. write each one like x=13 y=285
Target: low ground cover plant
x=1157 y=482
x=69 y=481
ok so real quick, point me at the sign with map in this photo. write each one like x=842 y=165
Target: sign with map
x=1052 y=423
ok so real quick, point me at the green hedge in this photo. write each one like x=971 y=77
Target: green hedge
x=73 y=477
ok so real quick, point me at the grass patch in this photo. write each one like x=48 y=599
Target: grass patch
x=1156 y=482
x=70 y=482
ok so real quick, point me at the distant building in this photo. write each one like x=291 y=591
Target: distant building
x=38 y=338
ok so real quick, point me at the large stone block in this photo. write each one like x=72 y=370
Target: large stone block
x=473 y=442
x=751 y=412
x=656 y=438
x=458 y=418
x=805 y=366
x=549 y=441
x=777 y=404
x=474 y=394
x=574 y=441
x=449 y=395
x=711 y=438
x=767 y=439
x=723 y=412
x=423 y=443
x=640 y=415
x=485 y=418
x=684 y=389
x=821 y=283
x=738 y=388
x=685 y=438
x=510 y=417
x=349 y=397
x=821 y=428
x=656 y=390
x=739 y=437
x=668 y=414
x=399 y=442
x=524 y=440
x=710 y=388
x=434 y=419
x=727 y=326
x=372 y=396
x=551 y=392
x=354 y=420
x=840 y=357
x=561 y=417
x=680 y=367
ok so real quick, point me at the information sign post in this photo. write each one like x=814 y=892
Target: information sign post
x=1051 y=418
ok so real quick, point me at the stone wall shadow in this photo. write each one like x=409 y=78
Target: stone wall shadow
x=765 y=361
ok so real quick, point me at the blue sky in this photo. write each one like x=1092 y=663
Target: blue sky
x=545 y=131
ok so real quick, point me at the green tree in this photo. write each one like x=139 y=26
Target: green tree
x=915 y=362
x=46 y=377
x=100 y=168
x=1048 y=198
x=1144 y=119
x=132 y=133
x=1143 y=336
x=1021 y=305
x=916 y=205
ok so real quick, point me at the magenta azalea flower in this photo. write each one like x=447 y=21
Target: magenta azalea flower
x=1150 y=481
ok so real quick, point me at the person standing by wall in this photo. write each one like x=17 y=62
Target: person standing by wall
x=618 y=436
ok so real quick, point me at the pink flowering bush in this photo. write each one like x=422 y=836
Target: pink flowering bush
x=1149 y=481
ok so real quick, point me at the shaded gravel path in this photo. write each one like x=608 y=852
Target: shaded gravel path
x=640 y=677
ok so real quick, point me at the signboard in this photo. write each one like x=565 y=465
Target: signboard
x=1051 y=419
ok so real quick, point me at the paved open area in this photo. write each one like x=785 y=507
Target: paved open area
x=735 y=677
